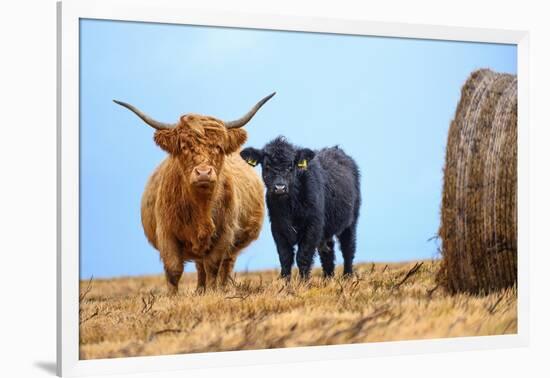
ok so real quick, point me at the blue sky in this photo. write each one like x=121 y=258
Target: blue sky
x=386 y=101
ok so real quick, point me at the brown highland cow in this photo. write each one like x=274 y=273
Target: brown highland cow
x=203 y=203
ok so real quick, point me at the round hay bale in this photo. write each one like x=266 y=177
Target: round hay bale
x=479 y=206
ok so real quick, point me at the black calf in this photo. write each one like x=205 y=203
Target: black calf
x=311 y=197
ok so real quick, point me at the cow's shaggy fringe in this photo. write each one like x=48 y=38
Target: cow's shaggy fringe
x=479 y=210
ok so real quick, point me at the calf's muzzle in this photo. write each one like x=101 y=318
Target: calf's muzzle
x=280 y=189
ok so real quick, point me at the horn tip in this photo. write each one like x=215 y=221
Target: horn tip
x=267 y=98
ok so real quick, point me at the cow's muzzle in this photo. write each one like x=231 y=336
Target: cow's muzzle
x=203 y=176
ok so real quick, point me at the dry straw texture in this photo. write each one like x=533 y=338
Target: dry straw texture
x=134 y=316
x=478 y=212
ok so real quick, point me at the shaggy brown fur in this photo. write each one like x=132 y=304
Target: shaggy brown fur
x=190 y=215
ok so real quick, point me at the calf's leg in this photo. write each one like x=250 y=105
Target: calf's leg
x=326 y=254
x=285 y=249
x=286 y=258
x=306 y=250
x=304 y=260
x=348 y=245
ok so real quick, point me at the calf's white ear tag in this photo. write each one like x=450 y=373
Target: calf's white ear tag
x=302 y=164
x=252 y=162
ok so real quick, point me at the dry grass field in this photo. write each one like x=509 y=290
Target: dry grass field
x=134 y=316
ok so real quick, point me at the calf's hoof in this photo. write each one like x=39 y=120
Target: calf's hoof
x=348 y=275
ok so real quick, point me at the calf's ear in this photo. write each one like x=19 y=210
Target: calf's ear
x=252 y=156
x=303 y=157
x=168 y=140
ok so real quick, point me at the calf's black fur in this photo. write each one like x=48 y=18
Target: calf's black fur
x=311 y=197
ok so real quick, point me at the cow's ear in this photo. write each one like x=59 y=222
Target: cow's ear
x=252 y=156
x=235 y=139
x=303 y=157
x=168 y=140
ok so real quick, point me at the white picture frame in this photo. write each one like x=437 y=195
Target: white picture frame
x=170 y=11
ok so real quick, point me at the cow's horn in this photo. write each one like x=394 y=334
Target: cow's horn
x=148 y=120
x=248 y=116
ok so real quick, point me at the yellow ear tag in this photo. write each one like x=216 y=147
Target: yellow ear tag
x=302 y=164
x=252 y=162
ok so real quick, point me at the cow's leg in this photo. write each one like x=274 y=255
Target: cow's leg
x=211 y=268
x=326 y=254
x=242 y=239
x=201 y=276
x=213 y=263
x=172 y=259
x=226 y=267
x=348 y=245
